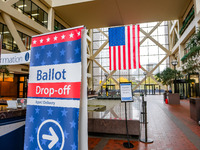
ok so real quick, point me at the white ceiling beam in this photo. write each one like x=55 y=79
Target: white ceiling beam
x=173 y=26
x=106 y=71
x=109 y=76
x=152 y=30
x=99 y=50
x=102 y=32
x=156 y=42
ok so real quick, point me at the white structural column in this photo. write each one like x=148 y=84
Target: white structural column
x=13 y=31
x=90 y=62
x=197 y=6
x=51 y=16
x=181 y=53
x=83 y=115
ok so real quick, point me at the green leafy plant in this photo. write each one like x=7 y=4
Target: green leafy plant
x=191 y=61
x=167 y=76
x=193 y=46
x=4 y=69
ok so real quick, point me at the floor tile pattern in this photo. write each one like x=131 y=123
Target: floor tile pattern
x=166 y=130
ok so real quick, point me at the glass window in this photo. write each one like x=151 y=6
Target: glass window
x=58 y=26
x=150 y=56
x=45 y=20
x=27 y=8
x=1 y=77
x=34 y=12
x=19 y=5
x=1 y=28
x=144 y=60
x=41 y=16
x=15 y=47
x=21 y=78
x=7 y=39
x=153 y=59
x=26 y=40
x=153 y=50
x=144 y=51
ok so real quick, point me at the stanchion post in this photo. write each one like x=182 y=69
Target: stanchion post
x=142 y=109
x=127 y=144
x=146 y=139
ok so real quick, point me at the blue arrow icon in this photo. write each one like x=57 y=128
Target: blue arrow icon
x=53 y=138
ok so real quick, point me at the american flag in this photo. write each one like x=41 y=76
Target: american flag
x=124 y=47
x=54 y=91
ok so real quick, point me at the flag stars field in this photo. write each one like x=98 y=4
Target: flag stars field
x=58 y=144
x=49 y=54
x=63 y=36
x=25 y=147
x=31 y=138
x=69 y=43
x=64 y=112
x=50 y=111
x=37 y=110
x=55 y=38
x=36 y=129
x=43 y=62
x=43 y=119
x=73 y=124
x=77 y=50
x=43 y=47
x=57 y=120
x=71 y=35
x=48 y=39
x=56 y=61
x=41 y=41
x=34 y=42
x=37 y=148
x=55 y=45
x=62 y=52
x=73 y=146
x=37 y=56
x=31 y=119
x=44 y=142
x=66 y=134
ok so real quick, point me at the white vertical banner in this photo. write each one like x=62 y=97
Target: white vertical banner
x=83 y=115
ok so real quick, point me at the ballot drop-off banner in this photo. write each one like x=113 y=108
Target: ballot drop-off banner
x=54 y=91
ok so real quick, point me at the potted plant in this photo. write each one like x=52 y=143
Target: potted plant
x=166 y=77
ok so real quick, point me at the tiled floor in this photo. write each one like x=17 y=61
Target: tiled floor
x=170 y=126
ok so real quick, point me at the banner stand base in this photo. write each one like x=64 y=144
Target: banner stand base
x=146 y=140
x=128 y=145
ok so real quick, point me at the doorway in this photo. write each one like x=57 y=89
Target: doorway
x=22 y=86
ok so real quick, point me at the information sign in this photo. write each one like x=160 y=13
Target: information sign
x=126 y=91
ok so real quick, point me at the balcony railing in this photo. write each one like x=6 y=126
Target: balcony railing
x=187 y=21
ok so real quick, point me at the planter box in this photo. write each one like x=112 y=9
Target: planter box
x=195 y=109
x=174 y=99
